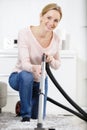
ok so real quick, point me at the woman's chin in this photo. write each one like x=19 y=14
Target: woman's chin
x=49 y=29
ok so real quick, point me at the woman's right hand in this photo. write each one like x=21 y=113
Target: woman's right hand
x=37 y=71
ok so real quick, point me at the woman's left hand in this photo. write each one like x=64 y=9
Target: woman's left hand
x=49 y=58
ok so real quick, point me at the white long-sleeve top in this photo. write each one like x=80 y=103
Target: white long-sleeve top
x=30 y=52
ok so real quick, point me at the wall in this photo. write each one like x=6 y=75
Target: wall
x=17 y=14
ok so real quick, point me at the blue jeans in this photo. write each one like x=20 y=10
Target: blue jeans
x=28 y=92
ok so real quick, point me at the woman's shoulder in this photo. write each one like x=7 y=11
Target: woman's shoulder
x=24 y=30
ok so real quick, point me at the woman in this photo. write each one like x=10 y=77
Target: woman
x=33 y=41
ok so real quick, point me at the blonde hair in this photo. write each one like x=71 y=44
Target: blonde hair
x=52 y=6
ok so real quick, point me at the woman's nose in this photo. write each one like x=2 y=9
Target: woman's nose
x=52 y=23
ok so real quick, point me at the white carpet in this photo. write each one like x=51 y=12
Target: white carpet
x=8 y=121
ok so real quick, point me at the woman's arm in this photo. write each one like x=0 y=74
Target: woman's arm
x=24 y=56
x=54 y=61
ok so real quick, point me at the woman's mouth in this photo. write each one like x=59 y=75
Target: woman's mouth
x=50 y=27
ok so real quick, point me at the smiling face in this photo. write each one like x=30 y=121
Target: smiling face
x=50 y=20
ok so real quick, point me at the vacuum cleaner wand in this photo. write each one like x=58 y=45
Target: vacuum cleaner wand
x=41 y=94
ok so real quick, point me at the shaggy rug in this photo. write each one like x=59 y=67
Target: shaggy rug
x=8 y=121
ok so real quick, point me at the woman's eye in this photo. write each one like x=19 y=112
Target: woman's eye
x=49 y=17
x=56 y=20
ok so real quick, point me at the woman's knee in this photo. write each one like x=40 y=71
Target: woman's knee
x=26 y=76
x=13 y=80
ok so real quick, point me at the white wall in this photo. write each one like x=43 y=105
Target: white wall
x=16 y=14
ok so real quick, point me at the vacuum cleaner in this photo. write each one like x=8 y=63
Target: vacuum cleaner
x=45 y=67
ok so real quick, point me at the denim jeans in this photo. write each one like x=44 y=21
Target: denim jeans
x=28 y=92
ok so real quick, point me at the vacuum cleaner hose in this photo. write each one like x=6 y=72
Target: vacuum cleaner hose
x=65 y=94
x=66 y=108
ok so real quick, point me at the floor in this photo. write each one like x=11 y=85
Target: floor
x=8 y=121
